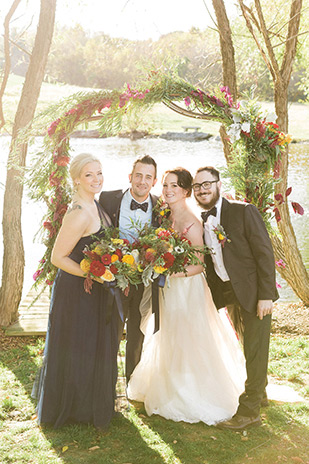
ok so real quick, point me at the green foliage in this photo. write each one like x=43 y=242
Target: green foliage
x=256 y=144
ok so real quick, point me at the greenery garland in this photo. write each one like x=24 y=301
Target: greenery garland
x=256 y=144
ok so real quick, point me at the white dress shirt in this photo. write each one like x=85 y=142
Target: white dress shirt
x=212 y=241
x=137 y=216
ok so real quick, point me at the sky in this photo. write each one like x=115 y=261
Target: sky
x=132 y=19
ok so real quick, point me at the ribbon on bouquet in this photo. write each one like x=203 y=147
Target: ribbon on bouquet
x=158 y=282
x=114 y=296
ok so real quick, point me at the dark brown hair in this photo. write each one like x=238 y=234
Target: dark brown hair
x=146 y=159
x=184 y=179
x=213 y=171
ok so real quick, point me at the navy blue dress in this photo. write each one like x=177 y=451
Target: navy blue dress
x=78 y=378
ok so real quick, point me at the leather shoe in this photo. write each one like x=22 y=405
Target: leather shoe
x=239 y=422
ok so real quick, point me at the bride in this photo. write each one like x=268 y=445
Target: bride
x=192 y=369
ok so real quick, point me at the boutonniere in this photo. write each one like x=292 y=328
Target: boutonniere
x=162 y=211
x=221 y=235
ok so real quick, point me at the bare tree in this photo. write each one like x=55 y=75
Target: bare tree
x=285 y=247
x=13 y=256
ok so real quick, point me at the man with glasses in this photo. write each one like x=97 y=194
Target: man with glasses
x=241 y=276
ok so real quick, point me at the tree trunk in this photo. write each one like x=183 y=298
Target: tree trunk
x=13 y=256
x=295 y=272
x=228 y=63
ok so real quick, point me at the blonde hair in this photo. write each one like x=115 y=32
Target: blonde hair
x=79 y=162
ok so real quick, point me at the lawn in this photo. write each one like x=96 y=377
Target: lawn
x=138 y=439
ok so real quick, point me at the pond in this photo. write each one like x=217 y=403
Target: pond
x=117 y=155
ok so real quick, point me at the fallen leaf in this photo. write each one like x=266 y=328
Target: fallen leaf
x=297 y=459
x=65 y=448
x=244 y=438
x=213 y=438
x=93 y=448
x=175 y=441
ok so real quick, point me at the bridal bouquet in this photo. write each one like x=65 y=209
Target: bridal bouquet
x=163 y=251
x=111 y=259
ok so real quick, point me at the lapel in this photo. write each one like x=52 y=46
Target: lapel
x=153 y=199
x=225 y=212
x=224 y=220
x=118 y=198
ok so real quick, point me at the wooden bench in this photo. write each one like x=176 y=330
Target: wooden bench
x=187 y=128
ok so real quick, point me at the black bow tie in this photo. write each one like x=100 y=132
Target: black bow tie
x=134 y=205
x=212 y=212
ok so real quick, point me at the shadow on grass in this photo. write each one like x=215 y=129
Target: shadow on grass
x=283 y=437
x=74 y=443
x=134 y=437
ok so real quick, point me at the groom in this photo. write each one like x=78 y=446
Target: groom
x=135 y=204
x=241 y=277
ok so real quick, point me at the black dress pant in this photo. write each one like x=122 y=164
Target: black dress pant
x=134 y=335
x=255 y=336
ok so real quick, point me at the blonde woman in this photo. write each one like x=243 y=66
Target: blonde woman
x=78 y=377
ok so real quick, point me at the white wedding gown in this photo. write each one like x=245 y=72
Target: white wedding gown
x=193 y=368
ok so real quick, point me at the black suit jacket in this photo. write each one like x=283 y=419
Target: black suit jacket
x=248 y=258
x=111 y=201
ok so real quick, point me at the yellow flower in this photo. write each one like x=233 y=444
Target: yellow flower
x=108 y=276
x=159 y=269
x=151 y=250
x=114 y=258
x=220 y=237
x=288 y=138
x=99 y=250
x=128 y=259
x=140 y=268
x=84 y=265
x=162 y=212
x=158 y=230
x=117 y=241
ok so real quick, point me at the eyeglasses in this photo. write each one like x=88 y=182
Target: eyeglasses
x=206 y=185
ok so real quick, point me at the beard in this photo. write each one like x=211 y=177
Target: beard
x=208 y=204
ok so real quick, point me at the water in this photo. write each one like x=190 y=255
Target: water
x=118 y=154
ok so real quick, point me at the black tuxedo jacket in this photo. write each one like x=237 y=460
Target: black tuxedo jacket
x=111 y=202
x=248 y=258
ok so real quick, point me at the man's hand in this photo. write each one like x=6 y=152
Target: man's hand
x=264 y=307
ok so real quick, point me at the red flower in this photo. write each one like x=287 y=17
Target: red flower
x=92 y=255
x=260 y=130
x=114 y=269
x=54 y=180
x=168 y=259
x=37 y=274
x=150 y=256
x=49 y=226
x=106 y=259
x=97 y=268
x=52 y=128
x=118 y=252
x=61 y=160
x=164 y=233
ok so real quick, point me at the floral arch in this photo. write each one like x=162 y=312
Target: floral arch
x=255 y=143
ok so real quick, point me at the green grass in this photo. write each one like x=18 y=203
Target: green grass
x=138 y=439
x=158 y=120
